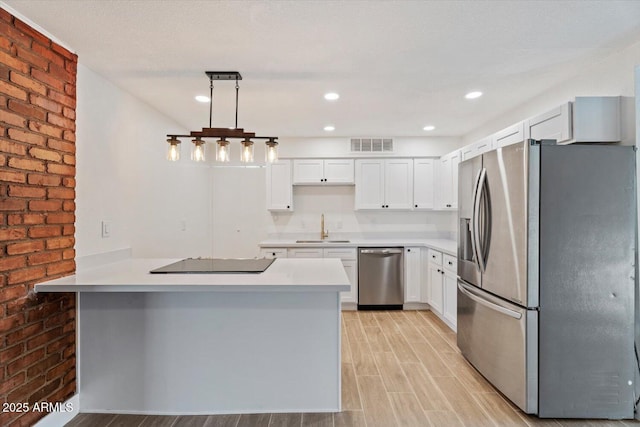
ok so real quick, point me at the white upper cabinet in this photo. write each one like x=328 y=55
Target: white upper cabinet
x=279 y=189
x=554 y=124
x=597 y=119
x=423 y=183
x=475 y=149
x=322 y=171
x=384 y=183
x=511 y=135
x=447 y=182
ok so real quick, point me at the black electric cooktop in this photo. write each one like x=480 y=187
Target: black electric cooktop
x=214 y=265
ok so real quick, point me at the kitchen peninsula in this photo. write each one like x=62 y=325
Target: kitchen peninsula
x=208 y=343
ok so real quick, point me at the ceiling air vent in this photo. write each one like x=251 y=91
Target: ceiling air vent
x=371 y=145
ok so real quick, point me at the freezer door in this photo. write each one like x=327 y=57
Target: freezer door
x=500 y=340
x=503 y=237
x=468 y=177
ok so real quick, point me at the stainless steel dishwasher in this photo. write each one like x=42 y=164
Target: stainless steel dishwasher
x=380 y=278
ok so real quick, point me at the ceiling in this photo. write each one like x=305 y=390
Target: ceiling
x=397 y=65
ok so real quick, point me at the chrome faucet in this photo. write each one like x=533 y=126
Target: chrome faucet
x=323 y=233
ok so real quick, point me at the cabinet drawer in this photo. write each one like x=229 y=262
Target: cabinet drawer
x=273 y=252
x=342 y=253
x=305 y=253
x=435 y=257
x=450 y=263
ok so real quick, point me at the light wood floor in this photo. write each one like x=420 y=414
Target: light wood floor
x=399 y=368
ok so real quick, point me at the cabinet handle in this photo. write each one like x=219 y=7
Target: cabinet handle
x=438 y=270
x=408 y=250
x=288 y=206
x=416 y=206
x=450 y=263
x=442 y=272
x=273 y=253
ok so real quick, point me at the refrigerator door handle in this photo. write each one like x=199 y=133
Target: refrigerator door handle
x=477 y=199
x=474 y=242
x=493 y=306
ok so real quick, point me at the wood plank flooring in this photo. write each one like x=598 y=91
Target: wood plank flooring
x=399 y=368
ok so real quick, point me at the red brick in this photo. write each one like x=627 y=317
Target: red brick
x=12 y=204
x=69 y=136
x=12 y=292
x=60 y=73
x=61 y=343
x=68 y=254
x=61 y=193
x=11 y=353
x=11 y=118
x=34 y=34
x=27 y=136
x=46 y=336
x=61 y=121
x=12 y=233
x=3 y=160
x=10 y=147
x=26 y=164
x=14 y=381
x=12 y=263
x=45 y=205
x=60 y=218
x=22 y=393
x=61 y=267
x=26 y=275
x=25 y=247
x=46 y=103
x=69 y=376
x=69 y=159
x=59 y=145
x=49 y=130
x=11 y=60
x=11 y=322
x=61 y=169
x=69 y=113
x=62 y=98
x=43 y=154
x=12 y=90
x=61 y=369
x=72 y=66
x=48 y=79
x=28 y=83
x=64 y=52
x=25 y=361
x=68 y=230
x=6 y=16
x=58 y=320
x=22 y=334
x=19 y=191
x=69 y=182
x=14 y=219
x=46 y=180
x=5 y=43
x=45 y=231
x=68 y=206
x=60 y=243
x=33 y=218
x=44 y=258
x=45 y=391
x=27 y=110
x=43 y=366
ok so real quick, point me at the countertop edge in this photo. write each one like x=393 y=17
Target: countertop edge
x=356 y=243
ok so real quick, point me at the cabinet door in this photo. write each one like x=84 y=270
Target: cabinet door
x=338 y=171
x=279 y=188
x=304 y=253
x=308 y=171
x=554 y=124
x=450 y=297
x=273 y=253
x=423 y=183
x=369 y=184
x=511 y=135
x=455 y=161
x=398 y=186
x=445 y=183
x=412 y=261
x=351 y=268
x=424 y=275
x=436 y=297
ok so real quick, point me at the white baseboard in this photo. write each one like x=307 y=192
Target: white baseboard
x=415 y=306
x=57 y=419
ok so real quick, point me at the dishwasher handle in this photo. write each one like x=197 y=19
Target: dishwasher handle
x=381 y=251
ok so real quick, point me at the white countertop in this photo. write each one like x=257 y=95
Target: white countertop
x=132 y=275
x=443 y=245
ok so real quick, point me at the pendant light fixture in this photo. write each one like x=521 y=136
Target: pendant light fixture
x=222 y=135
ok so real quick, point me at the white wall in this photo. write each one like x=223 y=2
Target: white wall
x=123 y=177
x=611 y=75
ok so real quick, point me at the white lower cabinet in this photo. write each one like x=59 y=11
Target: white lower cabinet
x=412 y=264
x=305 y=253
x=442 y=285
x=436 y=294
x=351 y=268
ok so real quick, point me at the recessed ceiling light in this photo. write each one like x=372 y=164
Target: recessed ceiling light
x=331 y=96
x=429 y=127
x=329 y=128
x=202 y=98
x=473 y=95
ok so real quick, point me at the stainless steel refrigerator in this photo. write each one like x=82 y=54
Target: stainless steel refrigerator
x=546 y=250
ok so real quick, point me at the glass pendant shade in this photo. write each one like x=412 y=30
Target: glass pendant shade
x=247 y=151
x=197 y=150
x=222 y=151
x=271 y=153
x=173 y=150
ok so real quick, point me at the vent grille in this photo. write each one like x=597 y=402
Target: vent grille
x=371 y=145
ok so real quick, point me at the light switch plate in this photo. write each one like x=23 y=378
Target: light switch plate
x=106 y=229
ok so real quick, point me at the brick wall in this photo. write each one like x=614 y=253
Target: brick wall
x=37 y=191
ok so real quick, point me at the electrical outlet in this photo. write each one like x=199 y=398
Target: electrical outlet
x=106 y=229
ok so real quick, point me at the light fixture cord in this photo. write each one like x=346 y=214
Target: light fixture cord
x=210 y=100
x=237 y=91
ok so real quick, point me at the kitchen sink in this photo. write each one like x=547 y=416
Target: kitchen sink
x=322 y=241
